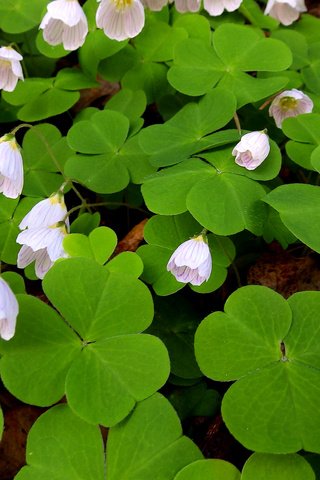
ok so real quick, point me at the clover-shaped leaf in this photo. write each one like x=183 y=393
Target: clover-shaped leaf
x=104 y=158
x=99 y=245
x=97 y=355
x=299 y=207
x=44 y=152
x=187 y=132
x=39 y=98
x=149 y=443
x=271 y=347
x=303 y=130
x=209 y=470
x=61 y=445
x=236 y=49
x=278 y=467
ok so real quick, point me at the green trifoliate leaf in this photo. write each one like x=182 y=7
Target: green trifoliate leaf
x=303 y=132
x=39 y=98
x=99 y=245
x=187 y=132
x=299 y=208
x=60 y=445
x=236 y=49
x=104 y=157
x=160 y=452
x=96 y=353
x=209 y=470
x=16 y=16
x=44 y=153
x=278 y=467
x=271 y=347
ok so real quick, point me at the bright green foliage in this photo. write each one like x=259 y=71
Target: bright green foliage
x=277 y=467
x=298 y=206
x=164 y=234
x=15 y=281
x=237 y=49
x=147 y=71
x=99 y=245
x=209 y=470
x=187 y=132
x=44 y=152
x=270 y=347
x=61 y=445
x=104 y=136
x=106 y=311
x=149 y=444
x=16 y=16
x=39 y=98
x=303 y=132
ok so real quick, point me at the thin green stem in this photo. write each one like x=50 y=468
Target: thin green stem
x=237 y=122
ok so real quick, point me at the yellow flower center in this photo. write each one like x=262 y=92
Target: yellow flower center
x=288 y=103
x=122 y=4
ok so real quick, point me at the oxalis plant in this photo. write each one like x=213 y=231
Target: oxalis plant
x=191 y=129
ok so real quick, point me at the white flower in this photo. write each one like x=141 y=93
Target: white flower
x=252 y=150
x=9 y=310
x=44 y=229
x=46 y=213
x=183 y=6
x=191 y=261
x=10 y=68
x=11 y=167
x=66 y=23
x=289 y=104
x=42 y=245
x=216 y=7
x=120 y=19
x=286 y=11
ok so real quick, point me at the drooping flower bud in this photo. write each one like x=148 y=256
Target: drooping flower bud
x=10 y=68
x=66 y=23
x=252 y=150
x=286 y=11
x=11 y=167
x=9 y=310
x=191 y=262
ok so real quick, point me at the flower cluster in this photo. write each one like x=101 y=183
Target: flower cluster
x=43 y=231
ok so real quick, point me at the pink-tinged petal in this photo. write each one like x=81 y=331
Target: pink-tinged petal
x=52 y=32
x=9 y=310
x=25 y=256
x=8 y=53
x=17 y=69
x=55 y=249
x=37 y=238
x=232 y=5
x=289 y=103
x=155 y=5
x=5 y=71
x=286 y=11
x=214 y=7
x=11 y=169
x=45 y=213
x=120 y=21
x=183 y=6
x=252 y=150
x=68 y=11
x=43 y=263
x=74 y=37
